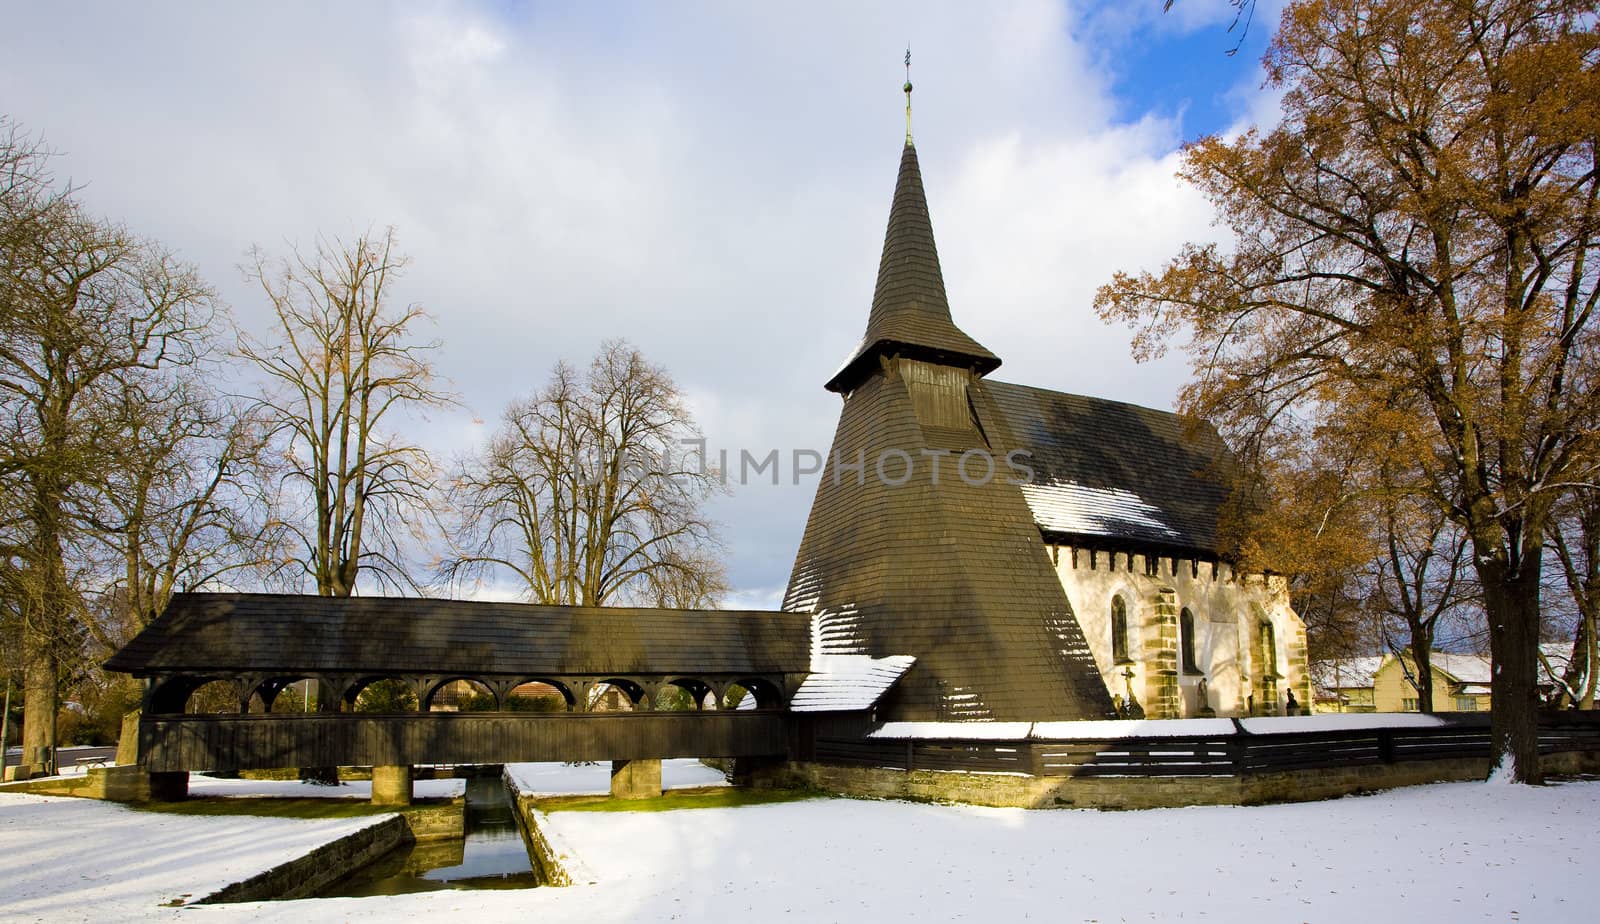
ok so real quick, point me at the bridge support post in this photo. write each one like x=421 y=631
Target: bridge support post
x=128 y=739
x=635 y=779
x=170 y=786
x=391 y=785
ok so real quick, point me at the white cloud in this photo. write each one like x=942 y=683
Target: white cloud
x=1040 y=226
x=711 y=184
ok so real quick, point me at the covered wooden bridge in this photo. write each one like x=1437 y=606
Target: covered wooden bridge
x=614 y=684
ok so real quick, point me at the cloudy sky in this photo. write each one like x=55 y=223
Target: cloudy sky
x=710 y=182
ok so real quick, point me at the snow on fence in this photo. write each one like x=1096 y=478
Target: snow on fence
x=1244 y=750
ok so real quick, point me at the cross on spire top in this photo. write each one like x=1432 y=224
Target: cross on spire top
x=908 y=94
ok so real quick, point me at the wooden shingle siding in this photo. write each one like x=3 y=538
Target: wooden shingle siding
x=910 y=312
x=952 y=573
x=938 y=396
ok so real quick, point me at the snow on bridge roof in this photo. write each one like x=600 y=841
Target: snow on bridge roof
x=848 y=683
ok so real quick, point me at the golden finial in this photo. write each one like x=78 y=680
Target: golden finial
x=908 y=94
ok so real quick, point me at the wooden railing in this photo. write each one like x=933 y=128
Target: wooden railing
x=1229 y=755
x=252 y=742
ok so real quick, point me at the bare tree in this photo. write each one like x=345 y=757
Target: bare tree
x=1420 y=582
x=1244 y=13
x=589 y=492
x=89 y=314
x=344 y=366
x=1575 y=538
x=182 y=500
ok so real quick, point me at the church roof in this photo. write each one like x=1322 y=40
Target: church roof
x=910 y=312
x=1114 y=471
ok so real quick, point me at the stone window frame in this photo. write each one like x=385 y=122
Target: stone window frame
x=1120 y=651
x=1187 y=644
x=1267 y=648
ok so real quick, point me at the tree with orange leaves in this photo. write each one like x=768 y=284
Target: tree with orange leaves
x=1413 y=266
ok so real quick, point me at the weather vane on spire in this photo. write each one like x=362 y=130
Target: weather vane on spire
x=908 y=94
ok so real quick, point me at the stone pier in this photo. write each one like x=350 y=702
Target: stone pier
x=391 y=785
x=635 y=779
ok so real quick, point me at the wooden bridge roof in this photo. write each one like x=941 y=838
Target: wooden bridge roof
x=280 y=633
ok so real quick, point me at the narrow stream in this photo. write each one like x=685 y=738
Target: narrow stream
x=492 y=856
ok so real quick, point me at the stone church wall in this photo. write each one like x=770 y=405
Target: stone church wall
x=1228 y=610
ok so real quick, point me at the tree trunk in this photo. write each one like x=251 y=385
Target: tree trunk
x=327 y=697
x=1422 y=662
x=1581 y=669
x=1511 y=605
x=39 y=703
x=327 y=701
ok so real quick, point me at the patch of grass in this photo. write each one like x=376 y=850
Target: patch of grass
x=270 y=807
x=709 y=797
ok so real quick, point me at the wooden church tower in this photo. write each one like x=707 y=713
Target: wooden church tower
x=920 y=541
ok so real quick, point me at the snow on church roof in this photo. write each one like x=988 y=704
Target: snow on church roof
x=1106 y=469
x=1079 y=510
x=848 y=683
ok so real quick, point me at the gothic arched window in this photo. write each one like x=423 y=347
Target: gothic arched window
x=1269 y=650
x=1119 y=631
x=1186 y=641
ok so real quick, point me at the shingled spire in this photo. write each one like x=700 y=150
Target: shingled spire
x=910 y=313
x=901 y=557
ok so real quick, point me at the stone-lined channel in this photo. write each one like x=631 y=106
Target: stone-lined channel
x=493 y=855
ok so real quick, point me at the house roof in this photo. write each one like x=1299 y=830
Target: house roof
x=1474 y=672
x=910 y=312
x=1109 y=470
x=278 y=633
x=1463 y=668
x=1345 y=673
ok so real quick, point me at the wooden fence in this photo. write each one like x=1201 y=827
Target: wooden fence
x=245 y=742
x=1241 y=753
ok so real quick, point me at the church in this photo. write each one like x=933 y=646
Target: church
x=1009 y=553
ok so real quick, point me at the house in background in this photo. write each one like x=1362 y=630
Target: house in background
x=1345 y=684
x=1460 y=683
x=1386 y=683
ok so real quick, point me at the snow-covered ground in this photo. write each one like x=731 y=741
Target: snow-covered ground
x=1453 y=852
x=561 y=779
x=79 y=859
x=349 y=789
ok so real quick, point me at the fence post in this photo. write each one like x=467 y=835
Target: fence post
x=1386 y=745
x=911 y=763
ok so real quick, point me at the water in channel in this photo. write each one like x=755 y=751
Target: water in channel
x=492 y=856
